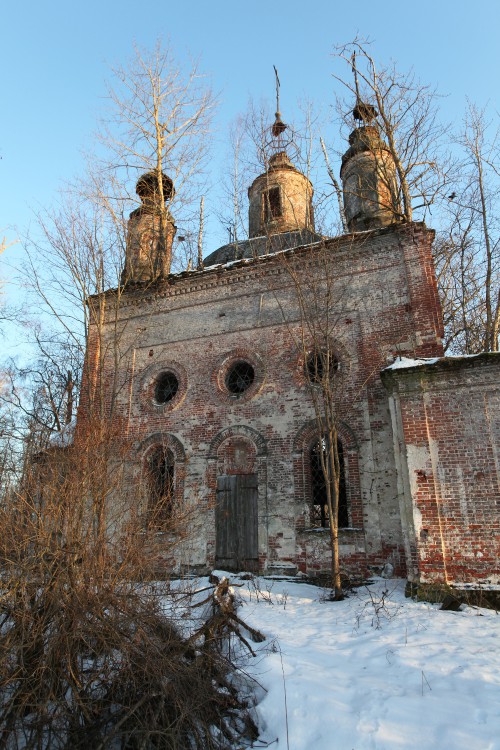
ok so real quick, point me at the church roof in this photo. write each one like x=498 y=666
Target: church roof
x=258 y=246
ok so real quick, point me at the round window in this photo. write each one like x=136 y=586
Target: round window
x=240 y=377
x=166 y=387
x=321 y=364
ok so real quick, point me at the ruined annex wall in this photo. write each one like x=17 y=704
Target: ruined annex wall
x=196 y=324
x=447 y=428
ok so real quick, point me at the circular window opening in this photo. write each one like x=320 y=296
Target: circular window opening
x=321 y=364
x=166 y=387
x=240 y=377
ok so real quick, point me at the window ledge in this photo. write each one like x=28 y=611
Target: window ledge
x=325 y=530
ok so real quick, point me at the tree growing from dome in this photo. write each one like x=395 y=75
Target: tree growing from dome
x=158 y=124
x=402 y=112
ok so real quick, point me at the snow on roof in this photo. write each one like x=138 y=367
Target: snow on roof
x=404 y=363
x=401 y=363
x=64 y=437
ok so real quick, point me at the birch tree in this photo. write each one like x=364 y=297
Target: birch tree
x=467 y=252
x=158 y=122
x=405 y=113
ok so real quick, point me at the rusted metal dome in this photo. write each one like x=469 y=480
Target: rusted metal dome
x=147 y=187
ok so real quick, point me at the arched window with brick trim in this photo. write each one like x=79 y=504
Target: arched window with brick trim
x=319 y=501
x=160 y=485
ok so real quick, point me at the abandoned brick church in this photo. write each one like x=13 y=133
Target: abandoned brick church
x=214 y=376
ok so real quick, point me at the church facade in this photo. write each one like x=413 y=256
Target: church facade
x=214 y=374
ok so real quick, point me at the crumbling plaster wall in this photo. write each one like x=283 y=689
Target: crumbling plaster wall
x=384 y=302
x=446 y=419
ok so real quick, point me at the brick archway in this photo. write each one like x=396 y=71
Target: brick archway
x=165 y=439
x=238 y=431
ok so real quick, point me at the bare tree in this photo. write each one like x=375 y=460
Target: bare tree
x=44 y=391
x=80 y=618
x=459 y=285
x=483 y=191
x=91 y=652
x=319 y=310
x=76 y=252
x=251 y=145
x=314 y=314
x=336 y=186
x=159 y=123
x=468 y=251
x=238 y=175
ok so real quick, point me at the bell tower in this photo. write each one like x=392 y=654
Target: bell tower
x=368 y=175
x=368 y=172
x=281 y=198
x=151 y=231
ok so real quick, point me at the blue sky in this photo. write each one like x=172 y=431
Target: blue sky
x=56 y=58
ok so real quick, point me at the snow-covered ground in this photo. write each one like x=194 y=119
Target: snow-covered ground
x=367 y=674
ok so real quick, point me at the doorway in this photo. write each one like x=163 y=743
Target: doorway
x=236 y=523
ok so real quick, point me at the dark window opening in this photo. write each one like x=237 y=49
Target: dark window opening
x=166 y=387
x=321 y=364
x=240 y=377
x=272 y=204
x=318 y=486
x=311 y=213
x=160 y=482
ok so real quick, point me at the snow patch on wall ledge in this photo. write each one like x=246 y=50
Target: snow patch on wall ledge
x=406 y=363
x=402 y=363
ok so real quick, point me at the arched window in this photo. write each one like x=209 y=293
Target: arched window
x=160 y=482
x=273 y=208
x=318 y=486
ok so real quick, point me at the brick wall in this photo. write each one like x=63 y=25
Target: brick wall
x=447 y=431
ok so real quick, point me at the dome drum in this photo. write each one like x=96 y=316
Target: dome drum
x=280 y=199
x=369 y=182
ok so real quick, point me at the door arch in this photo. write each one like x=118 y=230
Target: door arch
x=236 y=510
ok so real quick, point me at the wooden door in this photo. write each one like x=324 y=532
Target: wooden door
x=236 y=523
